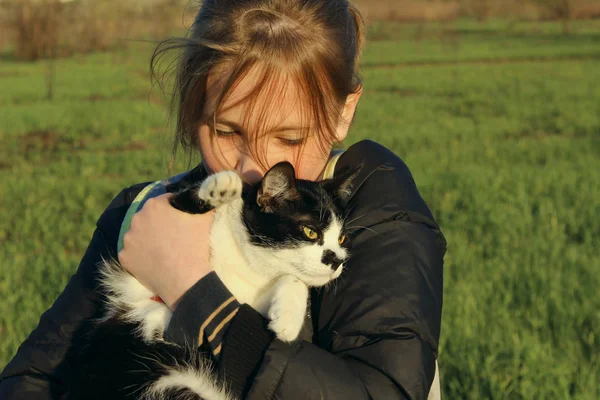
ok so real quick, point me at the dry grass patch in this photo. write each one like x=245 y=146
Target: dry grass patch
x=408 y=10
x=46 y=140
x=586 y=9
x=423 y=11
x=38 y=29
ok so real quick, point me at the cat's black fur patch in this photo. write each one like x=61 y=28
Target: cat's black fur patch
x=113 y=363
x=185 y=198
x=283 y=227
x=331 y=259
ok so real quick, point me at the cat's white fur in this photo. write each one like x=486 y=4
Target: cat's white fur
x=273 y=281
x=200 y=383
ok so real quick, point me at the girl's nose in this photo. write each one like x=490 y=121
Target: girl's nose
x=248 y=168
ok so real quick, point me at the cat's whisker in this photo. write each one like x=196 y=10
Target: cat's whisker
x=359 y=217
x=321 y=206
x=364 y=227
x=348 y=211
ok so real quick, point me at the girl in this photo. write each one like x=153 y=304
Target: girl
x=262 y=81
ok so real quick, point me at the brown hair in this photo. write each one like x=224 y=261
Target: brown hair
x=315 y=42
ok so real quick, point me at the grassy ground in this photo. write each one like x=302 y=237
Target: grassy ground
x=500 y=124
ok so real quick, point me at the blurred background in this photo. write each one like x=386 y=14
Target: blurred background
x=494 y=105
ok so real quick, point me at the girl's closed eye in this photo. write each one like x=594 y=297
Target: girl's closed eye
x=288 y=141
x=226 y=133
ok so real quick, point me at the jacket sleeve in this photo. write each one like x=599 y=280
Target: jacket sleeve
x=376 y=330
x=39 y=370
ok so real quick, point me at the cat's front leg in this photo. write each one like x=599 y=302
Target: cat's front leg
x=214 y=191
x=288 y=307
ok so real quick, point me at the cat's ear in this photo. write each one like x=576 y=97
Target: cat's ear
x=341 y=185
x=278 y=185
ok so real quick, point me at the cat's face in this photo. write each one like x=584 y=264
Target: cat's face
x=299 y=224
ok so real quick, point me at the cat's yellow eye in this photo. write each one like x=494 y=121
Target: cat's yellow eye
x=342 y=239
x=312 y=235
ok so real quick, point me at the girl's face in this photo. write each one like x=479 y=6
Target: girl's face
x=282 y=136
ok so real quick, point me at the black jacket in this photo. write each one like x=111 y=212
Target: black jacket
x=375 y=332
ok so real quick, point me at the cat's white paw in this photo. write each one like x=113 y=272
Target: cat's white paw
x=288 y=308
x=221 y=188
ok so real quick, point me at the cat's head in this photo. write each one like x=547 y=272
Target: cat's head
x=298 y=226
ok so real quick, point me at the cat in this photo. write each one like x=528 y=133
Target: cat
x=269 y=243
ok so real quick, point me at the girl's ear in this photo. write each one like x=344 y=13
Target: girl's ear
x=348 y=114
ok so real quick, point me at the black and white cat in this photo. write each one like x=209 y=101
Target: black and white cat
x=268 y=246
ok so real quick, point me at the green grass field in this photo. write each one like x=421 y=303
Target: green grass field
x=499 y=123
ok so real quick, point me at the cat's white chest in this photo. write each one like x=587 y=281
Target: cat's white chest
x=231 y=263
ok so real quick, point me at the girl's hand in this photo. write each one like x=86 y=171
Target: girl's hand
x=167 y=250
